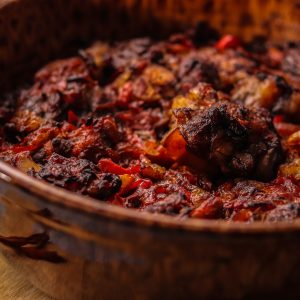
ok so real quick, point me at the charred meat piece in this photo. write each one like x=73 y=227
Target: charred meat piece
x=105 y=186
x=59 y=86
x=79 y=175
x=239 y=141
x=70 y=173
x=229 y=66
x=251 y=200
x=194 y=69
x=95 y=140
x=128 y=53
x=173 y=204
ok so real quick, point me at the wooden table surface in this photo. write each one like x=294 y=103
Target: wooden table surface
x=14 y=287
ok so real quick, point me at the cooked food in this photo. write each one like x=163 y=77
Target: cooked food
x=238 y=141
x=185 y=127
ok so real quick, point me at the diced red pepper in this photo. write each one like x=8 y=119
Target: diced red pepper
x=107 y=165
x=18 y=149
x=209 y=209
x=68 y=127
x=72 y=117
x=244 y=215
x=275 y=56
x=131 y=183
x=134 y=169
x=161 y=190
x=142 y=183
x=286 y=129
x=228 y=41
x=278 y=119
x=178 y=48
x=179 y=44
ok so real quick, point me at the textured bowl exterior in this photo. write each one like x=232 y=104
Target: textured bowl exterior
x=106 y=258
x=112 y=253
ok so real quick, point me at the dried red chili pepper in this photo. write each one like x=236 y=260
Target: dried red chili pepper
x=39 y=240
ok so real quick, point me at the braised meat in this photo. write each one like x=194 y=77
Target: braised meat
x=239 y=141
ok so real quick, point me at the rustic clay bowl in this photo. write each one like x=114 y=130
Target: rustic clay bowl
x=98 y=251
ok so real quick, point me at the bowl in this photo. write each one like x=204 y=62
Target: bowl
x=73 y=247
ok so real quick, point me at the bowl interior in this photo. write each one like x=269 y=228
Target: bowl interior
x=34 y=32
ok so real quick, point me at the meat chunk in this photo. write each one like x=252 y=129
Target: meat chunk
x=105 y=186
x=251 y=200
x=239 y=141
x=171 y=205
x=231 y=65
x=70 y=173
x=199 y=97
x=96 y=140
x=193 y=69
x=79 y=175
x=59 y=86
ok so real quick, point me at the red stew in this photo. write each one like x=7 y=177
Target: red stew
x=171 y=127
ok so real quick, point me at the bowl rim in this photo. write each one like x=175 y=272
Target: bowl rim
x=90 y=206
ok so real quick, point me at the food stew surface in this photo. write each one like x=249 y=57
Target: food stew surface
x=195 y=126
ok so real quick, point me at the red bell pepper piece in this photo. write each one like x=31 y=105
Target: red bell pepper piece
x=161 y=190
x=228 y=41
x=72 y=117
x=278 y=119
x=107 y=165
x=18 y=149
x=142 y=183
